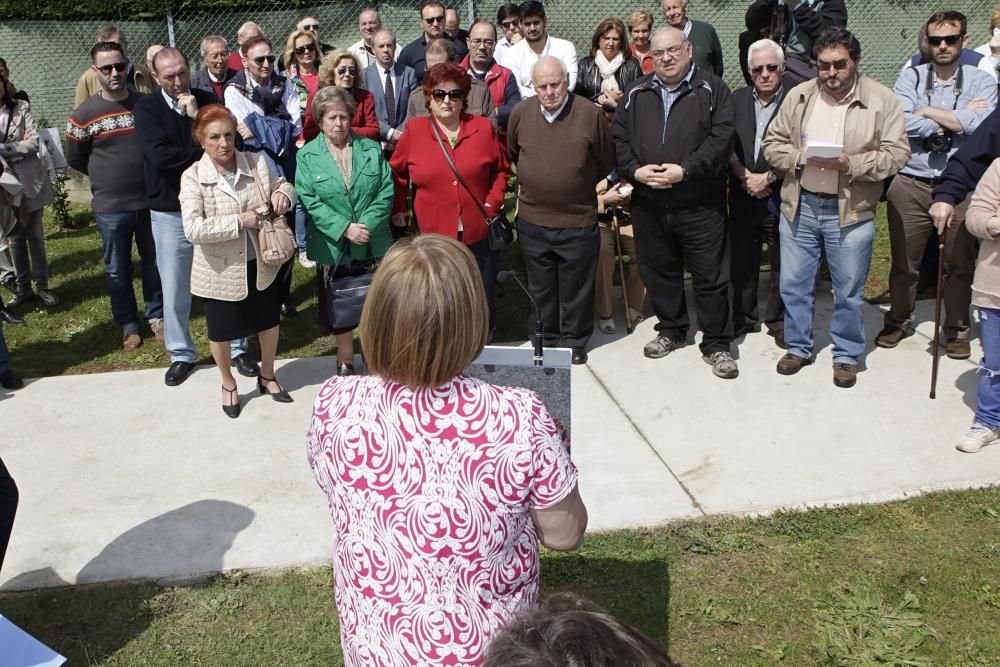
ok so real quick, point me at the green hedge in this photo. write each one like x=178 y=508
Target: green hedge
x=110 y=9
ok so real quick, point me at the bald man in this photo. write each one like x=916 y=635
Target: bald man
x=557 y=201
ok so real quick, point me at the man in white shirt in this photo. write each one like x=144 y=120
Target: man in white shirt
x=369 y=23
x=262 y=91
x=390 y=83
x=509 y=28
x=521 y=57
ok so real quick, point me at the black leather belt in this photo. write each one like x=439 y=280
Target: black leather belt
x=821 y=195
x=932 y=182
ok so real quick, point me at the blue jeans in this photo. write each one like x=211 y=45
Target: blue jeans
x=988 y=391
x=174 y=254
x=301 y=218
x=848 y=254
x=117 y=231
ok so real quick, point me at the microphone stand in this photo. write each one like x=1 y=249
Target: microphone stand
x=539 y=356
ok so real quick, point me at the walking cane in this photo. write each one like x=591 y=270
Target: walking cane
x=616 y=230
x=937 y=314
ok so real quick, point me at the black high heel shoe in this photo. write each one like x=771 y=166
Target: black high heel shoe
x=281 y=396
x=232 y=411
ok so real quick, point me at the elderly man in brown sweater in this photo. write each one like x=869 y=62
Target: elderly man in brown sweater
x=562 y=147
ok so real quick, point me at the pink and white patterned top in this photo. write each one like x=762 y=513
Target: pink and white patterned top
x=429 y=489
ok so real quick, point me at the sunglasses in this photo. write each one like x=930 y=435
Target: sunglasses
x=347 y=69
x=434 y=19
x=506 y=25
x=118 y=67
x=311 y=26
x=771 y=67
x=304 y=49
x=260 y=60
x=950 y=40
x=455 y=94
x=838 y=65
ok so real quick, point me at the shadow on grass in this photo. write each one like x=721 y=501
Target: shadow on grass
x=635 y=591
x=88 y=624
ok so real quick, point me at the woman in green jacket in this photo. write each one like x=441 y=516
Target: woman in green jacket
x=345 y=184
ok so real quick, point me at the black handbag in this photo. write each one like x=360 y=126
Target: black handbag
x=500 y=233
x=346 y=289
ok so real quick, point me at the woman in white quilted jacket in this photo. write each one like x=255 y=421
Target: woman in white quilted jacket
x=221 y=213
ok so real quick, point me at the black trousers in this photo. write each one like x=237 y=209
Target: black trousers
x=488 y=262
x=8 y=508
x=561 y=266
x=750 y=224
x=666 y=241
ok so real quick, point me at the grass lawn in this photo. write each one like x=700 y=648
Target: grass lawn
x=80 y=336
x=908 y=583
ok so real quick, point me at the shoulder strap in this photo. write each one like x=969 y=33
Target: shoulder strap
x=260 y=188
x=454 y=169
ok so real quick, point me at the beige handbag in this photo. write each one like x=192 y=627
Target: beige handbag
x=274 y=238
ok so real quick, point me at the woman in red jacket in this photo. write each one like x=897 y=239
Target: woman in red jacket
x=340 y=68
x=440 y=204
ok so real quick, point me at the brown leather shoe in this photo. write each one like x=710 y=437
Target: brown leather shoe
x=779 y=337
x=958 y=349
x=845 y=375
x=790 y=364
x=889 y=337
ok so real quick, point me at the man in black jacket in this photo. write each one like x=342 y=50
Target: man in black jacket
x=752 y=186
x=964 y=170
x=163 y=121
x=673 y=131
x=794 y=24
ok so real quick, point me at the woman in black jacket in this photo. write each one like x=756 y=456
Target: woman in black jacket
x=603 y=76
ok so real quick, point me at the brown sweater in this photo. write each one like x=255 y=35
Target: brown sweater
x=559 y=164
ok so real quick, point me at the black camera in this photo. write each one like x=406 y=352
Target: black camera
x=939 y=142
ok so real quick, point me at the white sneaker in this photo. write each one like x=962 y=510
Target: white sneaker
x=635 y=316
x=607 y=325
x=305 y=262
x=977 y=437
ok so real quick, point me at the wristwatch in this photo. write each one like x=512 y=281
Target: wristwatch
x=684 y=173
x=772 y=178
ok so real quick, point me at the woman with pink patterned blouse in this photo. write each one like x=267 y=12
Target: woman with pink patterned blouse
x=440 y=486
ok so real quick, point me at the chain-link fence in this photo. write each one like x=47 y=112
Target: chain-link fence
x=47 y=57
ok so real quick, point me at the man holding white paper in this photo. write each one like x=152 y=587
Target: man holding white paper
x=829 y=202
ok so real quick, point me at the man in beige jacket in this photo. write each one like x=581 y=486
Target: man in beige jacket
x=836 y=138
x=137 y=79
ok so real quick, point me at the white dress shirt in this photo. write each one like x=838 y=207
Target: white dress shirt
x=520 y=59
x=366 y=57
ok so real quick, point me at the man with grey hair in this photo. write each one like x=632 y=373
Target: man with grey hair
x=369 y=23
x=673 y=130
x=137 y=78
x=216 y=72
x=705 y=45
x=752 y=183
x=562 y=147
x=245 y=32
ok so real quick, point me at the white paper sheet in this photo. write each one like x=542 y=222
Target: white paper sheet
x=821 y=149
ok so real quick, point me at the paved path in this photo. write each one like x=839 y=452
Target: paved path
x=110 y=493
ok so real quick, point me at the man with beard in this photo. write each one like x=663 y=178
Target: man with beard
x=163 y=122
x=943 y=102
x=828 y=203
x=537 y=43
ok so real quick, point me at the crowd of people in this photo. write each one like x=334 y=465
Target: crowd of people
x=401 y=156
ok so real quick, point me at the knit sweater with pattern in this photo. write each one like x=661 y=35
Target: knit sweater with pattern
x=101 y=142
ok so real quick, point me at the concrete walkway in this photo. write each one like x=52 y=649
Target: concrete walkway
x=122 y=477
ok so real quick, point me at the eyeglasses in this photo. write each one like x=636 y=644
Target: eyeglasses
x=669 y=51
x=434 y=19
x=260 y=60
x=512 y=23
x=482 y=42
x=455 y=94
x=310 y=26
x=838 y=65
x=950 y=40
x=118 y=67
x=347 y=69
x=304 y=49
x=771 y=67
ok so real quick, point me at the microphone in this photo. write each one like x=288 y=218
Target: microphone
x=503 y=277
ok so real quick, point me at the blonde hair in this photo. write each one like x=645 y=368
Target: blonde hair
x=290 y=58
x=994 y=20
x=327 y=72
x=638 y=17
x=425 y=317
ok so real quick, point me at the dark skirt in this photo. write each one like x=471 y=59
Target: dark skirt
x=259 y=311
